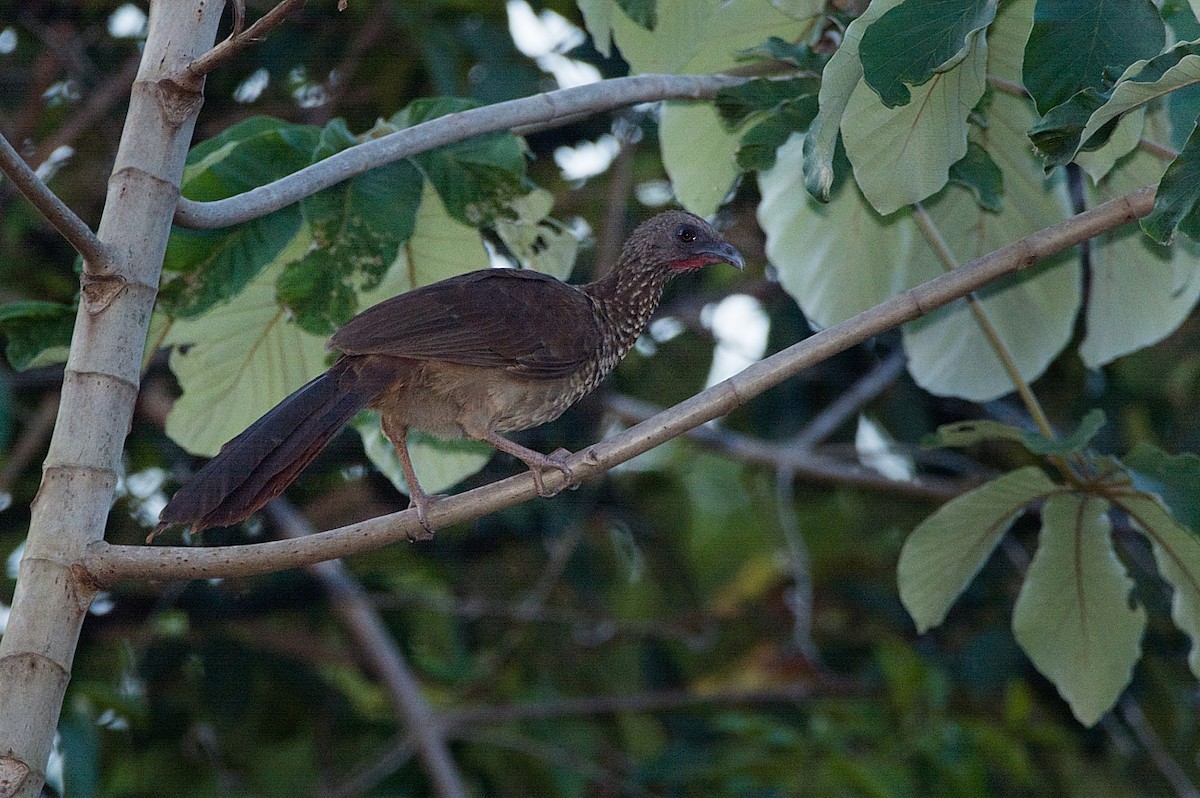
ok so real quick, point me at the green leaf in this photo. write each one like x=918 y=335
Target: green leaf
x=537 y=240
x=978 y=173
x=917 y=39
x=1101 y=38
x=1177 y=196
x=205 y=267
x=643 y=12
x=697 y=38
x=1174 y=478
x=739 y=103
x=475 y=178
x=1090 y=113
x=1073 y=615
x=1077 y=441
x=241 y=358
x=798 y=54
x=760 y=143
x=1177 y=553
x=968 y=433
x=357 y=228
x=1139 y=291
x=439 y=464
x=944 y=553
x=34 y=327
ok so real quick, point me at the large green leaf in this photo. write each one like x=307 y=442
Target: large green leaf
x=36 y=332
x=944 y=553
x=476 y=178
x=1101 y=38
x=1090 y=113
x=1175 y=479
x=536 y=239
x=357 y=228
x=1175 y=202
x=238 y=360
x=900 y=155
x=439 y=464
x=693 y=38
x=917 y=39
x=1073 y=615
x=1177 y=553
x=1033 y=312
x=1139 y=291
x=204 y=267
x=837 y=258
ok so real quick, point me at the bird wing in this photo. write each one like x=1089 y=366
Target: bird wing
x=525 y=322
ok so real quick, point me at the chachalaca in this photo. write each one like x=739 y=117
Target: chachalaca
x=477 y=355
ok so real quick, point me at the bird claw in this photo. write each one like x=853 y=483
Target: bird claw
x=556 y=459
x=421 y=502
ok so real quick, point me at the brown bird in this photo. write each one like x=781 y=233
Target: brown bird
x=477 y=355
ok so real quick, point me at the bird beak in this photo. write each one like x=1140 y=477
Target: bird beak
x=726 y=253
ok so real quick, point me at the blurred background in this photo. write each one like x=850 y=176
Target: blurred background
x=718 y=617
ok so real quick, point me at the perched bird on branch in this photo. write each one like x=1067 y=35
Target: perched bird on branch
x=477 y=355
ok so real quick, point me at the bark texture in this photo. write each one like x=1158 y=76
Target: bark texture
x=99 y=388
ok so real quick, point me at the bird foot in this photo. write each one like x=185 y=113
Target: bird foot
x=421 y=501
x=556 y=459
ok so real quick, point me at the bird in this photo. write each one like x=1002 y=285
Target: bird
x=477 y=355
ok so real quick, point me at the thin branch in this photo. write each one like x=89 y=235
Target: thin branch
x=1159 y=150
x=238 y=41
x=354 y=607
x=553 y=106
x=1131 y=712
x=654 y=701
x=942 y=250
x=96 y=256
x=108 y=563
x=846 y=406
x=30 y=443
x=786 y=456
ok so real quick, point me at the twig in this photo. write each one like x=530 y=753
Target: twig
x=237 y=42
x=353 y=606
x=1131 y=712
x=32 y=439
x=860 y=394
x=653 y=701
x=552 y=106
x=96 y=256
x=795 y=460
x=108 y=563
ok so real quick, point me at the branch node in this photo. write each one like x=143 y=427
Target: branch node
x=178 y=102
x=100 y=290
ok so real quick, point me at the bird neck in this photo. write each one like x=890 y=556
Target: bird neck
x=627 y=297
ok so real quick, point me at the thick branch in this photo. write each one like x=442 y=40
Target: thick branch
x=97 y=257
x=108 y=563
x=552 y=106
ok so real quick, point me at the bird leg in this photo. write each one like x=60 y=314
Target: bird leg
x=538 y=463
x=417 y=497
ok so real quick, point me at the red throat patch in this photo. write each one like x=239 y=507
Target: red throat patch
x=691 y=264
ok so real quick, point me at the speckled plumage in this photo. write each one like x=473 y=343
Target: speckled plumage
x=477 y=355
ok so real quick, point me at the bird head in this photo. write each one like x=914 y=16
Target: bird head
x=679 y=241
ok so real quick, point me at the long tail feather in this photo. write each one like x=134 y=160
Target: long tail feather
x=260 y=463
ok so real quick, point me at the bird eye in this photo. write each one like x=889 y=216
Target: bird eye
x=686 y=234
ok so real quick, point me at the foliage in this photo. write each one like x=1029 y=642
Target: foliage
x=875 y=152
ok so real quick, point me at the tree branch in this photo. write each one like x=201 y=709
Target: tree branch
x=108 y=563
x=194 y=72
x=354 y=607
x=97 y=258
x=796 y=460
x=550 y=107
